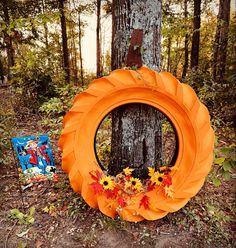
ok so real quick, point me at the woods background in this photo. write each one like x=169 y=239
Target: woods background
x=43 y=65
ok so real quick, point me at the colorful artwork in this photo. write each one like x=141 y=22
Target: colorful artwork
x=35 y=157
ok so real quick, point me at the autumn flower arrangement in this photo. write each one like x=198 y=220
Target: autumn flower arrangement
x=123 y=186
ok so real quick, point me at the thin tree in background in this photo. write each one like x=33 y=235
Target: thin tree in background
x=8 y=39
x=80 y=50
x=136 y=128
x=196 y=34
x=45 y=27
x=186 y=40
x=79 y=9
x=64 y=41
x=1 y=70
x=168 y=54
x=74 y=53
x=221 y=40
x=98 y=42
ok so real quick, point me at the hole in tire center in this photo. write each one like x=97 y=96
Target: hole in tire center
x=128 y=135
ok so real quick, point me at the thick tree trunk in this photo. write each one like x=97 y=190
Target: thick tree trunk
x=136 y=128
x=185 y=67
x=64 y=41
x=196 y=34
x=8 y=40
x=140 y=14
x=98 y=38
x=136 y=139
x=221 y=40
x=80 y=51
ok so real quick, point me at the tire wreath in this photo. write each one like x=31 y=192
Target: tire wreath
x=162 y=91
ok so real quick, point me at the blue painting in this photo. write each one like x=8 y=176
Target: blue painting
x=35 y=157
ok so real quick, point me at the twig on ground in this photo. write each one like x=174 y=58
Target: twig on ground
x=8 y=235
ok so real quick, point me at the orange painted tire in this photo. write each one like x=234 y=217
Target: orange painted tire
x=160 y=90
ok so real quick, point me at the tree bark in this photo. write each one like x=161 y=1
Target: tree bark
x=80 y=51
x=74 y=52
x=168 y=54
x=64 y=41
x=185 y=67
x=128 y=15
x=136 y=128
x=196 y=34
x=176 y=63
x=1 y=71
x=221 y=40
x=98 y=38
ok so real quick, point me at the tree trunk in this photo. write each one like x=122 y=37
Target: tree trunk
x=196 y=34
x=80 y=51
x=8 y=40
x=136 y=128
x=1 y=71
x=64 y=42
x=74 y=52
x=46 y=39
x=45 y=27
x=221 y=40
x=176 y=63
x=168 y=53
x=98 y=38
x=185 y=67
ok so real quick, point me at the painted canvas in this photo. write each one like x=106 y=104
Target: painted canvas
x=35 y=158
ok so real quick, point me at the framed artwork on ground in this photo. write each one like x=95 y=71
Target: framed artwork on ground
x=36 y=162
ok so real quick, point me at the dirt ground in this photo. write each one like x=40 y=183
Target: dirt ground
x=62 y=219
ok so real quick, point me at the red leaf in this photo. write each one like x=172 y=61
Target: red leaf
x=128 y=177
x=149 y=184
x=121 y=202
x=112 y=194
x=96 y=175
x=150 y=187
x=144 y=202
x=167 y=180
x=97 y=187
x=55 y=178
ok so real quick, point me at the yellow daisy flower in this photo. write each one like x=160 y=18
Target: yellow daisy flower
x=151 y=171
x=174 y=168
x=163 y=167
x=128 y=171
x=136 y=184
x=157 y=178
x=127 y=185
x=107 y=183
x=169 y=191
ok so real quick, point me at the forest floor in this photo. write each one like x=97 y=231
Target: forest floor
x=62 y=219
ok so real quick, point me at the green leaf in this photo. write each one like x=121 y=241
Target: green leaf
x=226 y=166
x=225 y=150
x=20 y=216
x=233 y=164
x=30 y=220
x=216 y=181
x=32 y=211
x=219 y=161
x=226 y=175
x=14 y=211
x=21 y=244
